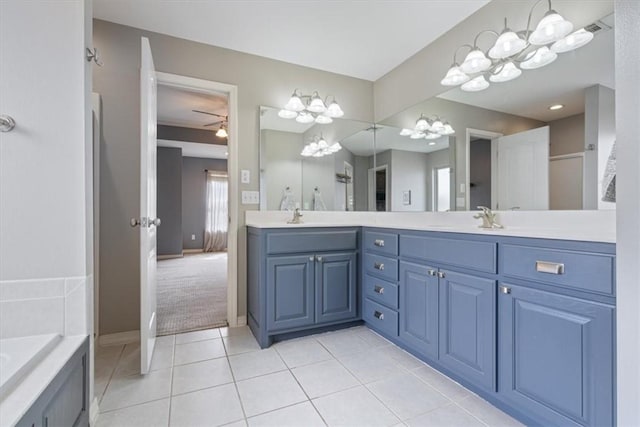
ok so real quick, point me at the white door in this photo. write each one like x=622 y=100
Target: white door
x=148 y=220
x=523 y=170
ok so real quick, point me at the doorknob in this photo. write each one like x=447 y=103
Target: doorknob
x=155 y=222
x=6 y=123
x=134 y=222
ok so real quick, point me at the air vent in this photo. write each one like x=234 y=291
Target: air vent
x=598 y=27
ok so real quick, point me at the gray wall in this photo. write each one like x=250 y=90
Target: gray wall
x=260 y=81
x=566 y=136
x=361 y=183
x=282 y=166
x=480 y=173
x=169 y=190
x=194 y=196
x=409 y=173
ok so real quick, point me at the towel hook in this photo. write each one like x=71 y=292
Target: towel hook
x=93 y=55
x=6 y=123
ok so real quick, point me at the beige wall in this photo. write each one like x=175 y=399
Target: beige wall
x=260 y=81
x=566 y=136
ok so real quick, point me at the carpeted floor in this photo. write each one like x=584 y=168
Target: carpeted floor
x=192 y=293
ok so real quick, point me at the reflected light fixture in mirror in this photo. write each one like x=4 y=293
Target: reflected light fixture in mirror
x=319 y=147
x=528 y=49
x=428 y=129
x=311 y=108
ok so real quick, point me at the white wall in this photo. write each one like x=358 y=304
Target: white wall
x=410 y=173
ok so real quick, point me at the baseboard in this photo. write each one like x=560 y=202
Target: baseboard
x=94 y=411
x=192 y=251
x=242 y=320
x=120 y=338
x=170 y=256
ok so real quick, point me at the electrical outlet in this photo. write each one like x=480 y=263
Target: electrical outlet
x=245 y=176
x=250 y=197
x=193 y=237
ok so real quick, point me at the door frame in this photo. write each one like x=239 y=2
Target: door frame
x=492 y=136
x=434 y=187
x=372 y=188
x=208 y=86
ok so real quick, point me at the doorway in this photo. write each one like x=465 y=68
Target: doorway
x=379 y=189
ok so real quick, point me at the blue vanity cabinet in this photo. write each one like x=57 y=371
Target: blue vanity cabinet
x=419 y=303
x=336 y=286
x=290 y=291
x=467 y=339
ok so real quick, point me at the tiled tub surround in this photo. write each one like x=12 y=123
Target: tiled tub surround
x=352 y=377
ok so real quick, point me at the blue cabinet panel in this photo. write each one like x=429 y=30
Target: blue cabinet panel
x=419 y=308
x=556 y=357
x=381 y=242
x=336 y=287
x=290 y=285
x=312 y=241
x=468 y=327
x=381 y=266
x=380 y=318
x=381 y=291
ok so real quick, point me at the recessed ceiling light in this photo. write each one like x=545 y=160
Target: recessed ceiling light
x=556 y=107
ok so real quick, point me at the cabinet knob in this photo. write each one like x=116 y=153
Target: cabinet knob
x=431 y=272
x=378 y=315
x=441 y=274
x=379 y=243
x=311 y=258
x=319 y=258
x=378 y=266
x=378 y=290
x=505 y=289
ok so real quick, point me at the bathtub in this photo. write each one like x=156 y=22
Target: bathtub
x=18 y=356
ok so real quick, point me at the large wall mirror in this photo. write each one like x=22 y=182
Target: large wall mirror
x=538 y=142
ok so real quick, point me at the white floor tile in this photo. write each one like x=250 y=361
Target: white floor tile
x=241 y=343
x=371 y=366
x=403 y=358
x=198 y=351
x=324 y=378
x=269 y=392
x=166 y=340
x=152 y=414
x=211 y=407
x=134 y=389
x=487 y=413
x=371 y=338
x=201 y=375
x=354 y=407
x=302 y=414
x=343 y=343
x=162 y=355
x=446 y=416
x=444 y=385
x=407 y=396
x=256 y=363
x=240 y=330
x=129 y=363
x=241 y=423
x=207 y=334
x=302 y=351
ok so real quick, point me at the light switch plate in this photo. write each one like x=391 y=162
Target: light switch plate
x=245 y=176
x=463 y=188
x=250 y=197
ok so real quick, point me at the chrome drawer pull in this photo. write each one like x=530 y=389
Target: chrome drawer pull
x=431 y=272
x=378 y=290
x=505 y=289
x=549 y=267
x=441 y=274
x=379 y=243
x=378 y=266
x=378 y=315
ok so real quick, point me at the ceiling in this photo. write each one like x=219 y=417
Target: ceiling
x=364 y=39
x=195 y=149
x=175 y=107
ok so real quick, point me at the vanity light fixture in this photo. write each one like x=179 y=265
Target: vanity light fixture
x=311 y=108
x=319 y=147
x=514 y=51
x=428 y=128
x=556 y=107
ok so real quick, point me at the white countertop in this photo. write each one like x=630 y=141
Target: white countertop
x=19 y=400
x=590 y=226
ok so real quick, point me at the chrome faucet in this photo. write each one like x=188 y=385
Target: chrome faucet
x=296 y=217
x=488 y=218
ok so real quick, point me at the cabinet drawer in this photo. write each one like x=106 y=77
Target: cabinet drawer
x=312 y=241
x=468 y=254
x=384 y=243
x=380 y=317
x=591 y=272
x=381 y=266
x=381 y=291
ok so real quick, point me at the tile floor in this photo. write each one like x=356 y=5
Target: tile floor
x=215 y=377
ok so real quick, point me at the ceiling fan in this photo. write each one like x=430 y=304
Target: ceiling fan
x=222 y=131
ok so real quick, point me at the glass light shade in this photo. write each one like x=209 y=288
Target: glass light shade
x=432 y=143
x=454 y=77
x=306 y=153
x=572 y=41
x=551 y=28
x=475 y=85
x=509 y=43
x=316 y=105
x=447 y=130
x=508 y=72
x=318 y=154
x=539 y=58
x=334 y=110
x=323 y=119
x=335 y=148
x=475 y=62
x=422 y=124
x=432 y=136
x=222 y=132
x=287 y=114
x=294 y=104
x=437 y=125
x=314 y=146
x=406 y=132
x=416 y=135
x=304 y=118
x=322 y=144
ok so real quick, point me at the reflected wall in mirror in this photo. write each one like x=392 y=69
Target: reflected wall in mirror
x=513 y=149
x=295 y=172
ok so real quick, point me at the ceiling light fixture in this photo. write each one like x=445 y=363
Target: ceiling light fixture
x=428 y=128
x=514 y=51
x=222 y=132
x=311 y=108
x=319 y=147
x=556 y=107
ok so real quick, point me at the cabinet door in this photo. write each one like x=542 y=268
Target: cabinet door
x=336 y=287
x=468 y=327
x=556 y=356
x=419 y=308
x=290 y=291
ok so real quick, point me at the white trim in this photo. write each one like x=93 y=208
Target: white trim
x=467 y=160
x=372 y=188
x=94 y=411
x=242 y=320
x=208 y=86
x=119 y=338
x=566 y=156
x=192 y=251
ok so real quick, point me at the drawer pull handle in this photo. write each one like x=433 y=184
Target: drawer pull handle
x=379 y=243
x=378 y=315
x=505 y=289
x=378 y=290
x=441 y=274
x=549 y=267
x=312 y=258
x=431 y=272
x=378 y=266
x=319 y=258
